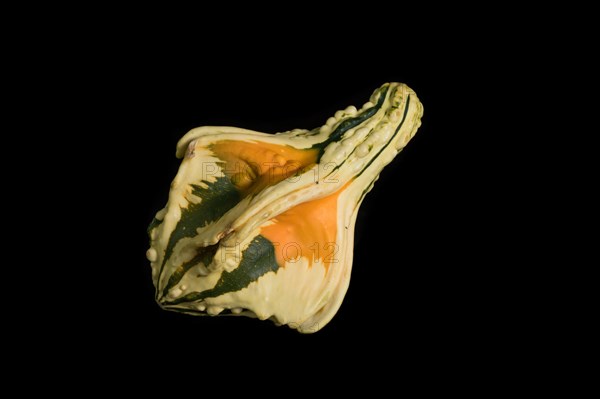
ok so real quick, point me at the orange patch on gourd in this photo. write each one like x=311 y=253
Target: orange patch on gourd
x=255 y=166
x=306 y=230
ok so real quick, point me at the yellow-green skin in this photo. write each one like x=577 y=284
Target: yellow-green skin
x=262 y=225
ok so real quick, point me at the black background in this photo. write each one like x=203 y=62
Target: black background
x=412 y=276
x=447 y=269
x=422 y=276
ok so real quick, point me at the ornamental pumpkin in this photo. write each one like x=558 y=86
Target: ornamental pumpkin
x=262 y=225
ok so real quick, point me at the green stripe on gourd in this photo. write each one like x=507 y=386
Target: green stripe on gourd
x=257 y=260
x=393 y=137
x=351 y=123
x=216 y=199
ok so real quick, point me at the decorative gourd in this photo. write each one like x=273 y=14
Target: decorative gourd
x=262 y=225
